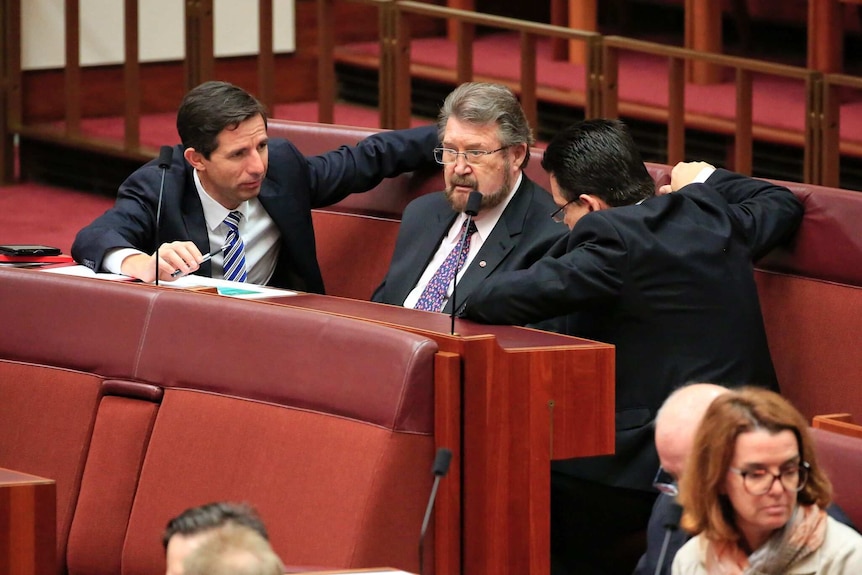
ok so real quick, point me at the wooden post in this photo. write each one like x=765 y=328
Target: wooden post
x=28 y=524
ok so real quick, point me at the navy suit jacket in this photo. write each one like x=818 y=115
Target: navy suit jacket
x=294 y=185
x=523 y=234
x=670 y=283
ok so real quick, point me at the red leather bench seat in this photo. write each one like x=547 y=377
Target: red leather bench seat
x=141 y=402
x=811 y=295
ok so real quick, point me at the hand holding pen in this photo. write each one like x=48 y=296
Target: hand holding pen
x=206 y=258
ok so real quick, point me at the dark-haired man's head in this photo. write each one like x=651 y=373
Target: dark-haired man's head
x=210 y=108
x=595 y=165
x=191 y=528
x=223 y=130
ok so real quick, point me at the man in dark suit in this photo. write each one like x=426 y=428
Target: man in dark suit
x=485 y=147
x=228 y=184
x=669 y=281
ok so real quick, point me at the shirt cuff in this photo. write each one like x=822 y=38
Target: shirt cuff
x=113 y=260
x=703 y=175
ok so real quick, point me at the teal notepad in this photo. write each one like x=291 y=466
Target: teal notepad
x=235 y=291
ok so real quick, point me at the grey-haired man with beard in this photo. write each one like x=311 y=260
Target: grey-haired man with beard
x=484 y=146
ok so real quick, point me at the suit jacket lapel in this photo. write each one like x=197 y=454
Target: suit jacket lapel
x=424 y=248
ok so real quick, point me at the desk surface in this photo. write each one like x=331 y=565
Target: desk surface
x=11 y=477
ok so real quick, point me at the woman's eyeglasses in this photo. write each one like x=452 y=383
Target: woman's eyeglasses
x=760 y=481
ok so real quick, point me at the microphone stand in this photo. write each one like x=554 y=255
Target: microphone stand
x=440 y=469
x=671 y=525
x=474 y=201
x=165 y=156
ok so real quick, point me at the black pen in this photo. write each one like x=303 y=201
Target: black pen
x=206 y=258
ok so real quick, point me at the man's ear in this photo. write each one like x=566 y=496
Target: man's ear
x=194 y=158
x=594 y=203
x=520 y=154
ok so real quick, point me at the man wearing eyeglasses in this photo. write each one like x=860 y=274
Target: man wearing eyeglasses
x=675 y=427
x=668 y=279
x=485 y=146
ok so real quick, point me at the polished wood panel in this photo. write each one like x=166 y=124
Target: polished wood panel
x=838 y=423
x=28 y=532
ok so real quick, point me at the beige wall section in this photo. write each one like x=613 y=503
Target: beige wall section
x=161 y=30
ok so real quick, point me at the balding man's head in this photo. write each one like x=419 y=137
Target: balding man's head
x=677 y=421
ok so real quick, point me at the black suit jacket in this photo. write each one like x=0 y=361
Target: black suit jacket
x=294 y=185
x=670 y=283
x=523 y=234
x=663 y=515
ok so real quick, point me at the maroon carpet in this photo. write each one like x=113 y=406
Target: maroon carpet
x=37 y=214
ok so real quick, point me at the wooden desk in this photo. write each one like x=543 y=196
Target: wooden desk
x=28 y=537
x=526 y=397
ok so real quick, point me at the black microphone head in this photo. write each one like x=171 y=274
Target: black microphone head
x=673 y=516
x=474 y=202
x=166 y=154
x=442 y=461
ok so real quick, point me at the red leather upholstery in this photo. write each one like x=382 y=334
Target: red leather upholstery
x=841 y=457
x=828 y=245
x=142 y=401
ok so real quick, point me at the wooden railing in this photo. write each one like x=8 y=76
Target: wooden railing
x=199 y=66
x=601 y=69
x=742 y=127
x=819 y=139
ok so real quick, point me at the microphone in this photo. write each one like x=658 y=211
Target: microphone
x=166 y=154
x=440 y=469
x=671 y=525
x=474 y=202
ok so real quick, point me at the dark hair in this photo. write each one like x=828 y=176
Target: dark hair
x=212 y=515
x=707 y=508
x=598 y=157
x=481 y=103
x=210 y=108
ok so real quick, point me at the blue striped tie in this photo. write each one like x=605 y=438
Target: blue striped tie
x=234 y=255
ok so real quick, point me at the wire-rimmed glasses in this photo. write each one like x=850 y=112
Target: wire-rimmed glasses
x=472 y=157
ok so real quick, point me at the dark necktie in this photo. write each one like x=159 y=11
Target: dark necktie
x=435 y=292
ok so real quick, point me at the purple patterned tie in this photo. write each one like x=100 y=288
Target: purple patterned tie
x=434 y=295
x=234 y=253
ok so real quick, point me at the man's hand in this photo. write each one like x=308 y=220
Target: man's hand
x=682 y=175
x=183 y=256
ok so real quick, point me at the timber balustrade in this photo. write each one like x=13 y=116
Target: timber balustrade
x=599 y=95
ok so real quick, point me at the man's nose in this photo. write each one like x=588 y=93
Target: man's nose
x=255 y=164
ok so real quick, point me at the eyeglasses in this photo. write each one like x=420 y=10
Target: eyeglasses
x=665 y=482
x=472 y=157
x=760 y=481
x=559 y=214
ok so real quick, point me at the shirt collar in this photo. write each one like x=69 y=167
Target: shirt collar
x=486 y=221
x=214 y=212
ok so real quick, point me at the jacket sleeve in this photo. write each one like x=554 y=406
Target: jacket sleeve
x=766 y=213
x=351 y=169
x=590 y=272
x=130 y=223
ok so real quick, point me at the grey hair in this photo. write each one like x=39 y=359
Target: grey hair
x=481 y=104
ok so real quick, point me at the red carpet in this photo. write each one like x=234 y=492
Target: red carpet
x=37 y=214
x=160 y=129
